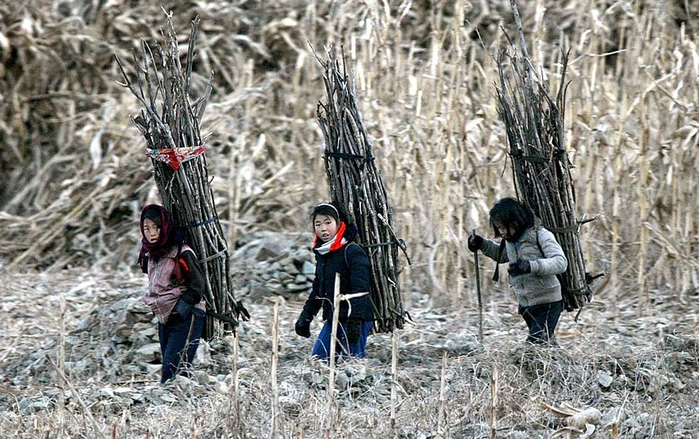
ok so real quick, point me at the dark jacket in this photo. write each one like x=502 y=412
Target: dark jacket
x=355 y=277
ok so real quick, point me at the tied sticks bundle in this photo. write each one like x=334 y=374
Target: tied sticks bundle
x=170 y=124
x=358 y=190
x=534 y=125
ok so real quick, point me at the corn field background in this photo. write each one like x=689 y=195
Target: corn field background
x=74 y=178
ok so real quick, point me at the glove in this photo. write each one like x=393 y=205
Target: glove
x=475 y=242
x=303 y=324
x=353 y=329
x=519 y=267
x=242 y=311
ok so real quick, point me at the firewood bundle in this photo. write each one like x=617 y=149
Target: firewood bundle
x=357 y=188
x=534 y=124
x=170 y=124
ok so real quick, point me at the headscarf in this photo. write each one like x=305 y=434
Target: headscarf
x=170 y=235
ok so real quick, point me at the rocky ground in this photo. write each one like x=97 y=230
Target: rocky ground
x=616 y=374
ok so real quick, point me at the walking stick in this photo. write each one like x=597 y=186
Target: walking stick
x=478 y=292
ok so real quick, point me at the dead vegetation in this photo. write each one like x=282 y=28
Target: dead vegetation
x=616 y=375
x=74 y=179
x=75 y=176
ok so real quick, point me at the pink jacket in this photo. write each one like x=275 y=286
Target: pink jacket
x=166 y=284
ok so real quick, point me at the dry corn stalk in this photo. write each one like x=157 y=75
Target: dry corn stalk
x=170 y=124
x=358 y=190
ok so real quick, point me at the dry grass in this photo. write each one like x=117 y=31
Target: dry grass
x=75 y=175
x=640 y=373
x=74 y=178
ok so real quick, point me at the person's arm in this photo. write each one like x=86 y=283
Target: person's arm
x=309 y=311
x=491 y=250
x=193 y=277
x=313 y=305
x=554 y=261
x=360 y=269
x=360 y=278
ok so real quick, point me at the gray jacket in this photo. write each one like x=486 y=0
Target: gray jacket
x=546 y=258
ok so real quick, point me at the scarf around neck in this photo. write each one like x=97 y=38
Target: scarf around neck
x=337 y=242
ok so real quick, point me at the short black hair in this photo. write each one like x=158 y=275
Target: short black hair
x=327 y=209
x=153 y=214
x=511 y=213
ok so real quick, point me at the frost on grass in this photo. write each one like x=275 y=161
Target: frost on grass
x=636 y=376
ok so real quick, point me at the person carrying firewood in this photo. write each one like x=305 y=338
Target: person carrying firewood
x=336 y=252
x=535 y=259
x=176 y=285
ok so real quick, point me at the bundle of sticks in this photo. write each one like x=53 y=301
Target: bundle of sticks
x=535 y=132
x=170 y=124
x=358 y=190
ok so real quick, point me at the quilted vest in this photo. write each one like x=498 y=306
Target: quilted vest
x=165 y=283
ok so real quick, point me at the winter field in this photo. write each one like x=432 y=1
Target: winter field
x=77 y=346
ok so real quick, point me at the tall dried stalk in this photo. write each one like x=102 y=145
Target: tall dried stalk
x=62 y=366
x=332 y=404
x=86 y=410
x=394 y=381
x=235 y=425
x=494 y=384
x=442 y=399
x=276 y=408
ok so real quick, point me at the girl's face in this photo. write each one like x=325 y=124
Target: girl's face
x=151 y=231
x=325 y=227
x=507 y=232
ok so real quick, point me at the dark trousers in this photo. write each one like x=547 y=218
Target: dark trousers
x=321 y=349
x=542 y=320
x=179 y=339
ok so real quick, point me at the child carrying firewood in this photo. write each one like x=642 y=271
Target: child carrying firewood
x=336 y=252
x=176 y=285
x=535 y=259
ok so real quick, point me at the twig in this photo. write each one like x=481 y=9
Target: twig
x=442 y=398
x=276 y=412
x=358 y=190
x=169 y=120
x=329 y=428
x=478 y=294
x=534 y=124
x=77 y=396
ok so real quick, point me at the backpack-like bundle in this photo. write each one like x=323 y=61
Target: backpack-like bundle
x=357 y=189
x=534 y=122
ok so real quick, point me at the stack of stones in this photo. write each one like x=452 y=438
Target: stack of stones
x=273 y=264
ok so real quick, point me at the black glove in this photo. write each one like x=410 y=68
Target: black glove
x=303 y=324
x=183 y=308
x=242 y=311
x=474 y=243
x=519 y=267
x=353 y=328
